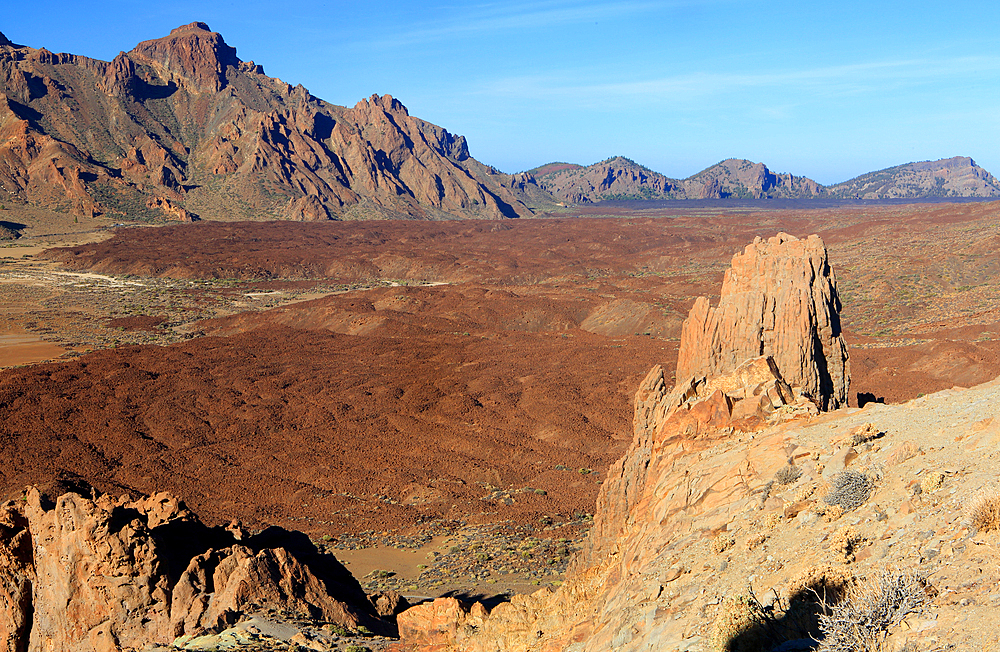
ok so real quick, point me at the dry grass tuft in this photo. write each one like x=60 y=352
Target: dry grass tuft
x=830 y=585
x=787 y=474
x=844 y=541
x=863 y=434
x=983 y=509
x=932 y=481
x=737 y=628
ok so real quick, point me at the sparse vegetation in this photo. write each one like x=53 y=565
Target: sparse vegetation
x=844 y=541
x=983 y=510
x=863 y=621
x=722 y=543
x=787 y=474
x=849 y=490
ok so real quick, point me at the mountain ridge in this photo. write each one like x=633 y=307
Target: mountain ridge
x=183 y=119
x=732 y=178
x=180 y=127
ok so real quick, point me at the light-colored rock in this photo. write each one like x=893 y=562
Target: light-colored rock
x=103 y=574
x=778 y=299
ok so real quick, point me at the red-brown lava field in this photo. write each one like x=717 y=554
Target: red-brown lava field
x=501 y=393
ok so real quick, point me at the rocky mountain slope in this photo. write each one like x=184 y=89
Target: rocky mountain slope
x=951 y=177
x=741 y=518
x=180 y=126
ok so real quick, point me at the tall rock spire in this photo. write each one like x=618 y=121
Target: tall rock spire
x=778 y=299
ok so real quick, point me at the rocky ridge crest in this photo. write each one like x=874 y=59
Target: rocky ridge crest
x=183 y=119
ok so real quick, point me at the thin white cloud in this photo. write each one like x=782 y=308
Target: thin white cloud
x=493 y=18
x=825 y=81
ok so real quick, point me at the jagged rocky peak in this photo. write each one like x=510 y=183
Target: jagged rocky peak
x=778 y=299
x=4 y=40
x=195 y=55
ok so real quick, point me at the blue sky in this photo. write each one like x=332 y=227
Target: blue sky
x=826 y=90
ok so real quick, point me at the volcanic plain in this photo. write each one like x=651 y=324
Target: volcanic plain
x=451 y=390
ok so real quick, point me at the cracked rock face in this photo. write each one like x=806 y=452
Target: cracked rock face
x=778 y=299
x=103 y=573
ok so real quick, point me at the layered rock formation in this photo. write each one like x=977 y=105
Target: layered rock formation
x=778 y=299
x=99 y=573
x=183 y=119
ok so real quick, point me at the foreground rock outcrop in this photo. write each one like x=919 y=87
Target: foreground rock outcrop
x=779 y=299
x=736 y=508
x=100 y=573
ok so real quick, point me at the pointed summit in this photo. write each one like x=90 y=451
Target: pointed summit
x=193 y=55
x=195 y=26
x=5 y=41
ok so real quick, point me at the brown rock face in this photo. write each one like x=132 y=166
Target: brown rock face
x=192 y=55
x=779 y=299
x=253 y=147
x=103 y=573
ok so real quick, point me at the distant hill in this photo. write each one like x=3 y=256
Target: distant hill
x=615 y=178
x=739 y=178
x=180 y=126
x=950 y=177
x=622 y=178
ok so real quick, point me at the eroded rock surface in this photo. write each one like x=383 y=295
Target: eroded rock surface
x=778 y=299
x=100 y=573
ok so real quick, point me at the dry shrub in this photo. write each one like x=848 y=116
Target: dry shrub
x=983 y=509
x=849 y=490
x=863 y=621
x=844 y=541
x=830 y=513
x=756 y=541
x=770 y=521
x=744 y=624
x=827 y=584
x=740 y=626
x=863 y=434
x=804 y=492
x=787 y=474
x=723 y=542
